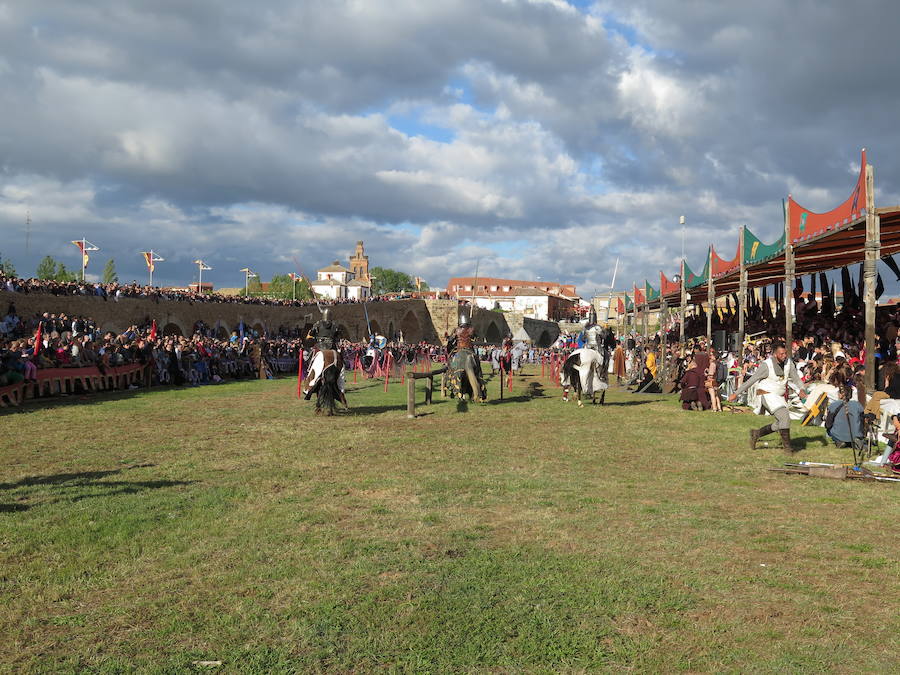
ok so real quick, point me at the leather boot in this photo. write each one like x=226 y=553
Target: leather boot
x=789 y=447
x=756 y=434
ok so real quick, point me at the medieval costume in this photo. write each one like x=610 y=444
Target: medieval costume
x=462 y=354
x=326 y=373
x=694 y=393
x=619 y=365
x=774 y=378
x=325 y=332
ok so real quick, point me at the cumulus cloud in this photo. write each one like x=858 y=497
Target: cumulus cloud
x=545 y=138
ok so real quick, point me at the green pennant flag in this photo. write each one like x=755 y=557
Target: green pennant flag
x=691 y=280
x=755 y=251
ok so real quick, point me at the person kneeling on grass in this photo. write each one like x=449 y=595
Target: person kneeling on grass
x=774 y=376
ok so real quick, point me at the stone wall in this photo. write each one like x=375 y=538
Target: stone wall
x=494 y=326
x=417 y=319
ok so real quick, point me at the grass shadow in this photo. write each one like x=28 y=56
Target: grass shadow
x=13 y=508
x=61 y=483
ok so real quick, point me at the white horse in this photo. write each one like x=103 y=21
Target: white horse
x=585 y=371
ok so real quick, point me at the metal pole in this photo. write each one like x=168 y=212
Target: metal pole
x=83 y=247
x=200 y=283
x=870 y=273
x=151 y=268
x=789 y=269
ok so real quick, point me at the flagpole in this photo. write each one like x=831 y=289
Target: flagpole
x=151 y=268
x=200 y=282
x=83 y=247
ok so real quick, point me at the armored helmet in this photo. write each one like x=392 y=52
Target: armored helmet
x=463 y=319
x=326 y=314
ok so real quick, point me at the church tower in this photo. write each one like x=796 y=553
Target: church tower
x=359 y=263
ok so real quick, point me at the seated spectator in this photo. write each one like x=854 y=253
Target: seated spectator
x=844 y=421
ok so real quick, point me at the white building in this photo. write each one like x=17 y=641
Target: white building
x=331 y=282
x=336 y=282
x=358 y=290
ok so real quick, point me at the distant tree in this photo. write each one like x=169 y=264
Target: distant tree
x=63 y=274
x=46 y=269
x=282 y=286
x=6 y=267
x=109 y=273
x=387 y=280
x=52 y=270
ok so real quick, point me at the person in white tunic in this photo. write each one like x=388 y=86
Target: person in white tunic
x=774 y=377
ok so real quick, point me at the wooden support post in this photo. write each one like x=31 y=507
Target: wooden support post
x=683 y=304
x=870 y=273
x=710 y=298
x=664 y=342
x=789 y=270
x=410 y=395
x=645 y=317
x=742 y=295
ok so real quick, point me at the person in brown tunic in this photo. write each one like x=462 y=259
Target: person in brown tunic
x=619 y=369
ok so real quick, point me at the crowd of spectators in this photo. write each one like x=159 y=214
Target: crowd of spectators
x=48 y=341
x=134 y=290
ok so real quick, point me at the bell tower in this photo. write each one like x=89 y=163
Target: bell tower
x=359 y=263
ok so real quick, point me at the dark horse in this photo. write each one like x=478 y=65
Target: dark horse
x=464 y=376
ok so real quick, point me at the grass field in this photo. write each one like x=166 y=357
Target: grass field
x=150 y=530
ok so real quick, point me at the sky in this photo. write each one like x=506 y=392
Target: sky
x=534 y=138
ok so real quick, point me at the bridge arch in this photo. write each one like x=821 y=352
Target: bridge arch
x=412 y=331
x=172 y=328
x=492 y=334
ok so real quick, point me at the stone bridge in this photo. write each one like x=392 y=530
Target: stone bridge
x=418 y=320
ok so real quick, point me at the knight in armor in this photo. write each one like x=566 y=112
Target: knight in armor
x=325 y=332
x=463 y=337
x=463 y=340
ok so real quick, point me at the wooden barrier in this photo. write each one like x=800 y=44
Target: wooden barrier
x=12 y=394
x=52 y=381
x=411 y=377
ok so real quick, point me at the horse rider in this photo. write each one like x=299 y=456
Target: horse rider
x=464 y=338
x=325 y=332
